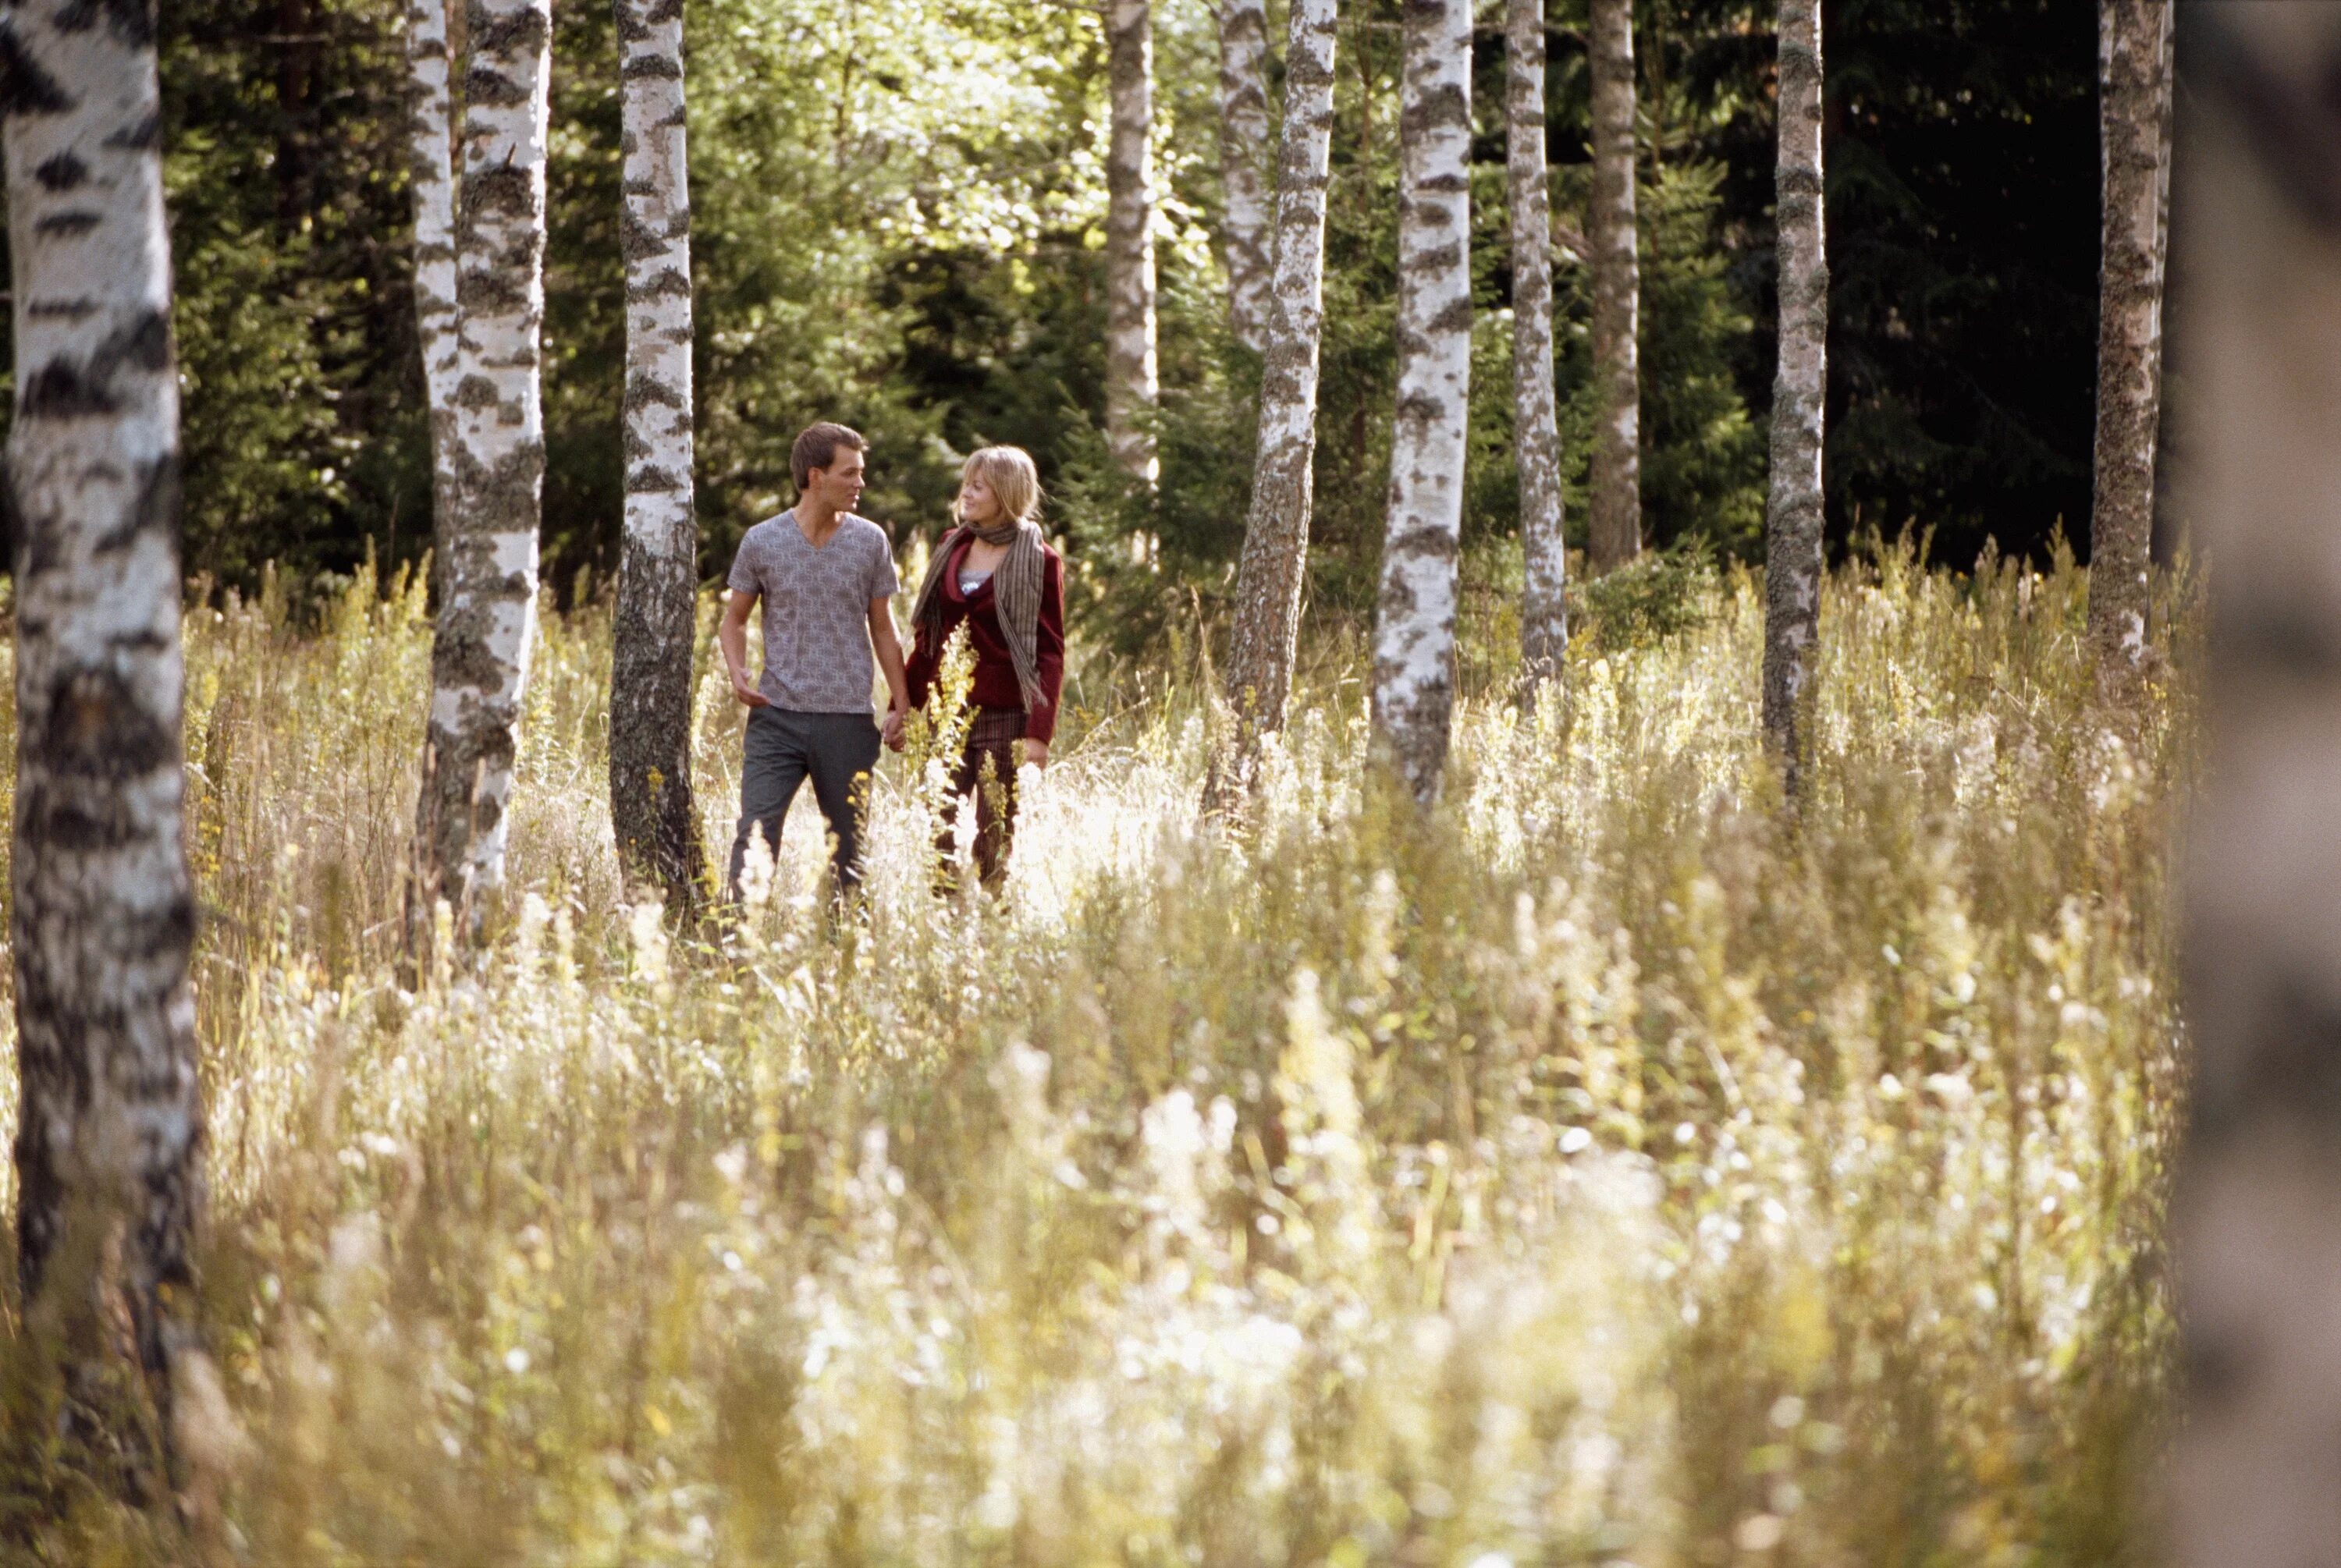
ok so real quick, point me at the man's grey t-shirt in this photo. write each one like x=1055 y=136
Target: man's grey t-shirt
x=816 y=609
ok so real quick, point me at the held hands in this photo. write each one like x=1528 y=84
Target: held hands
x=745 y=690
x=892 y=729
x=1036 y=752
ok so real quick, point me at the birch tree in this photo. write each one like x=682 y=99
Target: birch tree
x=1414 y=634
x=1792 y=531
x=1536 y=435
x=2257 y=1216
x=1614 y=498
x=1130 y=390
x=1275 y=559
x=487 y=613
x=110 y=1126
x=651 y=802
x=2134 y=60
x=1243 y=147
x=431 y=171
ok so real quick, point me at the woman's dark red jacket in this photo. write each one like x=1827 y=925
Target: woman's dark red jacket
x=995 y=672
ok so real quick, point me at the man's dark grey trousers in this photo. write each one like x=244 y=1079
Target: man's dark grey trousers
x=838 y=751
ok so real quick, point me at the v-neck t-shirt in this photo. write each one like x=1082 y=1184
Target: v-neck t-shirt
x=816 y=609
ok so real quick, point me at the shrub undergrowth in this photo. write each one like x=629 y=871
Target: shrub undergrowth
x=1611 y=1169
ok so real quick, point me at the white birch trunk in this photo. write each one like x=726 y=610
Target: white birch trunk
x=1131 y=389
x=1536 y=434
x=1614 y=488
x=2256 y=1214
x=487 y=616
x=110 y=1124
x=2134 y=61
x=1414 y=634
x=1243 y=156
x=430 y=170
x=651 y=801
x=1792 y=541
x=1276 y=532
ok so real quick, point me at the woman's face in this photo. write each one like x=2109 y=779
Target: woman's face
x=977 y=504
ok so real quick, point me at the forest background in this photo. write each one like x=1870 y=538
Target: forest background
x=899 y=222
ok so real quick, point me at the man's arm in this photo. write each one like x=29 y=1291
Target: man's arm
x=732 y=637
x=889 y=647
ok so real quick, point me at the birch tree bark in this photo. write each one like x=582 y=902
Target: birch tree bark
x=1275 y=561
x=2257 y=1216
x=651 y=801
x=1414 y=634
x=1792 y=531
x=1130 y=390
x=2134 y=61
x=1536 y=434
x=110 y=1126
x=1614 y=498
x=487 y=614
x=1243 y=150
x=430 y=170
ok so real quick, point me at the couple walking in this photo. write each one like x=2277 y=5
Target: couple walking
x=826 y=579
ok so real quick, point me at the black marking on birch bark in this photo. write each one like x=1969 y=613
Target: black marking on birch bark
x=652 y=479
x=132 y=21
x=513 y=32
x=475 y=391
x=157 y=506
x=137 y=137
x=1448 y=104
x=504 y=191
x=67 y=225
x=65 y=390
x=26 y=89
x=97 y=729
x=668 y=284
x=59 y=390
x=61 y=172
x=644 y=390
x=503 y=499
x=655 y=66
x=62 y=310
x=637 y=241
x=488 y=89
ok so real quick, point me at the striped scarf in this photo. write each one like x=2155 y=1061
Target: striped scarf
x=1016 y=590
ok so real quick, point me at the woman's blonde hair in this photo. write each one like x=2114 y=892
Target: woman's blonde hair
x=1014 y=482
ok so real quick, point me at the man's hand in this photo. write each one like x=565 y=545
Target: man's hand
x=732 y=637
x=892 y=729
x=1036 y=752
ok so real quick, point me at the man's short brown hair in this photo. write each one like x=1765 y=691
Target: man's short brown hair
x=817 y=448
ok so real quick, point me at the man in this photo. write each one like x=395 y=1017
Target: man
x=826 y=579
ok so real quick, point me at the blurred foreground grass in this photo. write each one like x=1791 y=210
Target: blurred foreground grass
x=1602 y=1173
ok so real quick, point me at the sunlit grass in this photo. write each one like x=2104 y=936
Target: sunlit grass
x=1614 y=1169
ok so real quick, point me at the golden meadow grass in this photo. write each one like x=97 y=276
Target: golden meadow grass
x=1609 y=1171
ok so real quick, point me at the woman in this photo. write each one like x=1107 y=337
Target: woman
x=994 y=571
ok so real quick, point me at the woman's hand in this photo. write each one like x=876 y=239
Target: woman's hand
x=1036 y=752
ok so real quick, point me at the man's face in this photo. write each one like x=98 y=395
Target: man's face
x=838 y=485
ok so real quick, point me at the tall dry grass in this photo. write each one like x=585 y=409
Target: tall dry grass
x=1613 y=1169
